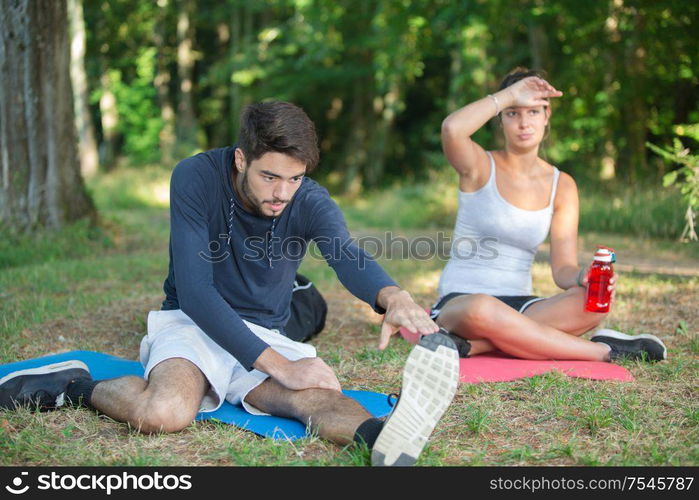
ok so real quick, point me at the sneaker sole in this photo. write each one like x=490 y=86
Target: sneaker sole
x=623 y=336
x=42 y=370
x=430 y=380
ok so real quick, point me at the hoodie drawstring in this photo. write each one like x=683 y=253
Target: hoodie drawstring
x=271 y=232
x=230 y=221
x=269 y=246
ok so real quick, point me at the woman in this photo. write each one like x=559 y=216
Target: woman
x=508 y=201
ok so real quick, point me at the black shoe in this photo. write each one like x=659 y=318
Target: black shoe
x=43 y=388
x=644 y=347
x=463 y=346
x=430 y=380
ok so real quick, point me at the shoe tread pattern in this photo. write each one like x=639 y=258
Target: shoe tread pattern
x=430 y=380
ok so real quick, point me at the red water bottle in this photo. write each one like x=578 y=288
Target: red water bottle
x=601 y=271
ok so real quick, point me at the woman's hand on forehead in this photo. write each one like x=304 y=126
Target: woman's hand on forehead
x=532 y=91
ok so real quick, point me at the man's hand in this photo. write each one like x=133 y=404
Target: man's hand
x=402 y=311
x=305 y=373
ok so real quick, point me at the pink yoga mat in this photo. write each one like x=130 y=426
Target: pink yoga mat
x=501 y=367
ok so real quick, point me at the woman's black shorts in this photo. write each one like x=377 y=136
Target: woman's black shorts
x=517 y=302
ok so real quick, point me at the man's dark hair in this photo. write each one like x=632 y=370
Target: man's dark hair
x=520 y=73
x=281 y=127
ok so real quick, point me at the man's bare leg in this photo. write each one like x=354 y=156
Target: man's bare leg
x=330 y=413
x=430 y=380
x=167 y=402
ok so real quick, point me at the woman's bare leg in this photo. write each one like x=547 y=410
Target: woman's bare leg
x=565 y=312
x=485 y=321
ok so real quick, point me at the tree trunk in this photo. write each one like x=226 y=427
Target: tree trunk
x=538 y=45
x=634 y=106
x=89 y=158
x=455 y=94
x=219 y=134
x=110 y=121
x=381 y=135
x=241 y=27
x=361 y=120
x=613 y=62
x=162 y=84
x=235 y=48
x=186 y=119
x=41 y=183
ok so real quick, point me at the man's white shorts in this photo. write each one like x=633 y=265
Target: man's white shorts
x=173 y=334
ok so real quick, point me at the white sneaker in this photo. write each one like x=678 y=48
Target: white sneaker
x=430 y=380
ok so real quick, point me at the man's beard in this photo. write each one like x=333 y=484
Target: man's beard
x=255 y=203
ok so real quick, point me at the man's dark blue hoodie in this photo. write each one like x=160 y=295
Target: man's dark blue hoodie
x=227 y=264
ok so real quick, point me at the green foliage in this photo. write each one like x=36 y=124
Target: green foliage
x=140 y=121
x=121 y=57
x=139 y=116
x=686 y=176
x=378 y=78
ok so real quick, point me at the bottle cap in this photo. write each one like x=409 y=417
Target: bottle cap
x=605 y=254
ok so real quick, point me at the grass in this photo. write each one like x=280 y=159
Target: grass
x=97 y=297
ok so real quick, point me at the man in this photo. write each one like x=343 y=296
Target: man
x=241 y=218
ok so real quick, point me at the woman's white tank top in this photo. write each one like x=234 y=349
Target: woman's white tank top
x=494 y=242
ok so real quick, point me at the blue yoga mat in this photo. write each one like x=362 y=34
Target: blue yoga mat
x=104 y=366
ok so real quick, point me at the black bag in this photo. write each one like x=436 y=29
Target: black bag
x=308 y=311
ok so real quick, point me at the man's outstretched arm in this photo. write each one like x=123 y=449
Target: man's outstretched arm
x=363 y=276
